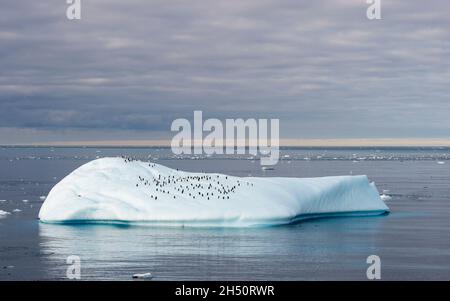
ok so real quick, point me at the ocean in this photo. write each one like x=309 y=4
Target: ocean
x=412 y=241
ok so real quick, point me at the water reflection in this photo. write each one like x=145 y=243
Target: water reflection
x=313 y=249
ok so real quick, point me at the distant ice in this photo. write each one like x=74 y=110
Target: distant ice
x=3 y=213
x=25 y=201
x=385 y=197
x=42 y=197
x=143 y=276
x=267 y=168
x=17 y=210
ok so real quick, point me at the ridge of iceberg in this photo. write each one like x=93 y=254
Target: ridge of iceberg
x=110 y=190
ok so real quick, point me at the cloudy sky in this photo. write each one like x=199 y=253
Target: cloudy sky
x=128 y=68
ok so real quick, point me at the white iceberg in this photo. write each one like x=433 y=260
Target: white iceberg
x=122 y=190
x=3 y=213
x=143 y=276
x=385 y=197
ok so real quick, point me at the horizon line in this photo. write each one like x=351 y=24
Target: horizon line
x=317 y=142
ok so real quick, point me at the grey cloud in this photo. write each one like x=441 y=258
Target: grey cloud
x=133 y=66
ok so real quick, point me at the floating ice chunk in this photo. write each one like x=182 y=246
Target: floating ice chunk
x=17 y=210
x=267 y=168
x=4 y=213
x=143 y=276
x=440 y=162
x=25 y=201
x=8 y=267
x=116 y=190
x=42 y=197
x=385 y=197
x=2 y=201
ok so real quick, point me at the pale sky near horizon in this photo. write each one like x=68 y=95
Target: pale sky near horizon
x=128 y=68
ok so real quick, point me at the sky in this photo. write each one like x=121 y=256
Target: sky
x=127 y=69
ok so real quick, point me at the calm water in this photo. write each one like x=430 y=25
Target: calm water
x=413 y=241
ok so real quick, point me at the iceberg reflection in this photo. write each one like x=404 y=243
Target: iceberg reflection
x=314 y=249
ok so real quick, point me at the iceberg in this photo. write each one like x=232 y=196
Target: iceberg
x=385 y=197
x=143 y=276
x=3 y=213
x=122 y=190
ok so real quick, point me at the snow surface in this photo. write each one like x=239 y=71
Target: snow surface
x=124 y=190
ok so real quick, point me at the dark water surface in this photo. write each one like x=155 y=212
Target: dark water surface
x=413 y=241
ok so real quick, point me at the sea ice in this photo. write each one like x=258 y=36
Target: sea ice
x=3 y=213
x=385 y=197
x=125 y=190
x=143 y=276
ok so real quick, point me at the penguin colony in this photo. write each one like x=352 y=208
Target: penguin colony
x=194 y=187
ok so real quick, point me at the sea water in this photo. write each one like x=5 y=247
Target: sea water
x=413 y=241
